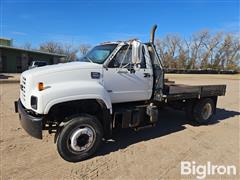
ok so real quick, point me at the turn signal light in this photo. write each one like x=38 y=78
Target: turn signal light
x=40 y=86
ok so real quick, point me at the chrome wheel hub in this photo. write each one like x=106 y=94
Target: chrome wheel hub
x=207 y=111
x=82 y=139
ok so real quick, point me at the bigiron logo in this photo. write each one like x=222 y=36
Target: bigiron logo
x=201 y=171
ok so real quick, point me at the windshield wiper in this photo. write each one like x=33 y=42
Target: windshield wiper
x=89 y=59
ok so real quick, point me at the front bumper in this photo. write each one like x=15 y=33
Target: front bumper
x=31 y=124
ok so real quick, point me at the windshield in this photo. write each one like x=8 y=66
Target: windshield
x=99 y=53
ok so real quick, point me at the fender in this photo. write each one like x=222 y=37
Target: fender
x=70 y=91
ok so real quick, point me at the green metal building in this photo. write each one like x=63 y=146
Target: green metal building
x=6 y=42
x=17 y=60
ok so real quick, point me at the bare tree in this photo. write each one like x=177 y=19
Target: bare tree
x=210 y=45
x=167 y=49
x=27 y=45
x=183 y=55
x=202 y=50
x=173 y=43
x=198 y=40
x=84 y=48
x=231 y=51
x=70 y=52
x=227 y=55
x=54 y=47
x=161 y=48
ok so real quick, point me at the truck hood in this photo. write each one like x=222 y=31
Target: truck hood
x=71 y=66
x=53 y=75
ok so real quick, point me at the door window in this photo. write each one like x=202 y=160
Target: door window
x=123 y=58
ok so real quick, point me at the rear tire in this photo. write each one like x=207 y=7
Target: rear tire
x=202 y=111
x=80 y=138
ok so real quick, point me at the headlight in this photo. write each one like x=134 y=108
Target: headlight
x=34 y=102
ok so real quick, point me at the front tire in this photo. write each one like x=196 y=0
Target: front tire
x=80 y=138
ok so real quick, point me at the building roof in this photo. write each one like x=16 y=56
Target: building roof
x=5 y=39
x=33 y=51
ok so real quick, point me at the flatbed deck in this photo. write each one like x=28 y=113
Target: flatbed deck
x=174 y=91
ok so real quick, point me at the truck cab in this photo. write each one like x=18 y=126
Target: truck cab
x=115 y=85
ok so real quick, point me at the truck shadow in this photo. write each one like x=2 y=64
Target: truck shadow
x=170 y=121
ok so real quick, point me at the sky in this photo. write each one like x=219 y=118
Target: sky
x=94 y=21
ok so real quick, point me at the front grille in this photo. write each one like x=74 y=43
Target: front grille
x=23 y=88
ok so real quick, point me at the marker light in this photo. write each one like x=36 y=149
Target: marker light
x=40 y=86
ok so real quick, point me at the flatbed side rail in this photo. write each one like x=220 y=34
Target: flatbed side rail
x=203 y=91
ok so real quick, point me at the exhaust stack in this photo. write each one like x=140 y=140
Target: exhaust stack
x=152 y=35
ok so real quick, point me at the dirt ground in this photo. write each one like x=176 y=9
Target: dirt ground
x=154 y=153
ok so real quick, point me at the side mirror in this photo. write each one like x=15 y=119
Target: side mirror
x=136 y=52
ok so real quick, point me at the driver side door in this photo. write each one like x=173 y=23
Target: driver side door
x=122 y=83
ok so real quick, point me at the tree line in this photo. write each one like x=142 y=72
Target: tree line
x=70 y=51
x=202 y=50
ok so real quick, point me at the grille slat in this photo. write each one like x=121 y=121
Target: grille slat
x=23 y=88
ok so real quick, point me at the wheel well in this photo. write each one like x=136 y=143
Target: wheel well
x=63 y=112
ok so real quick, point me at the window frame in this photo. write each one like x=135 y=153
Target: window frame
x=143 y=59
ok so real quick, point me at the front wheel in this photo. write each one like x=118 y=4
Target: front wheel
x=80 y=138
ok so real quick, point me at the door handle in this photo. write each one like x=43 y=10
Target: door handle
x=147 y=75
x=123 y=71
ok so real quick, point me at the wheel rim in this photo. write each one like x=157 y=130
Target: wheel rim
x=82 y=139
x=207 y=111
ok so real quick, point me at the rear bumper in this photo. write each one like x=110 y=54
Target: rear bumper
x=31 y=124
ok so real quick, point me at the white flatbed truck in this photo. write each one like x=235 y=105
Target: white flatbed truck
x=117 y=84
